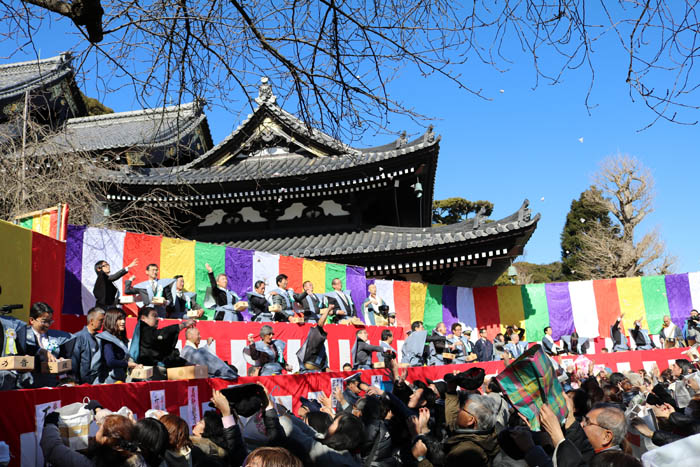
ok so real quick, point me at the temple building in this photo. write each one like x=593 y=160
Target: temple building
x=276 y=185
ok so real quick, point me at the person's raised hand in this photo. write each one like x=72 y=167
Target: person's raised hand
x=187 y=323
x=251 y=339
x=413 y=425
x=423 y=419
x=374 y=391
x=135 y=262
x=419 y=449
x=270 y=403
x=403 y=374
x=525 y=420
x=570 y=418
x=550 y=422
x=663 y=411
x=209 y=269
x=339 y=395
x=641 y=427
x=221 y=403
x=324 y=400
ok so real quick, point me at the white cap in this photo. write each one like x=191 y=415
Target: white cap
x=468 y=329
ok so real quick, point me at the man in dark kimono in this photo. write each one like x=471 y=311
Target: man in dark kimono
x=311 y=302
x=156 y=347
x=225 y=301
x=258 y=304
x=618 y=336
x=342 y=300
x=312 y=354
x=483 y=348
x=181 y=301
x=361 y=352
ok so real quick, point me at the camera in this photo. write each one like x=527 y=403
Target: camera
x=384 y=311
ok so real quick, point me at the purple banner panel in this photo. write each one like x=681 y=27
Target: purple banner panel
x=239 y=270
x=449 y=306
x=679 y=299
x=72 y=288
x=561 y=316
x=356 y=283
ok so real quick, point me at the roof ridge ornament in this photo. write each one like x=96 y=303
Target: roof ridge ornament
x=479 y=218
x=402 y=141
x=265 y=95
x=429 y=135
x=524 y=213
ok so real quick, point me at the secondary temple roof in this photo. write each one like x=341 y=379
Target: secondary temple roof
x=384 y=238
x=149 y=127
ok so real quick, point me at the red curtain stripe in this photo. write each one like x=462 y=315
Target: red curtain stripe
x=48 y=273
x=486 y=302
x=607 y=304
x=402 y=303
x=147 y=249
x=294 y=269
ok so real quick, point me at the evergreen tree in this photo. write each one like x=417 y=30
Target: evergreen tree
x=585 y=213
x=454 y=210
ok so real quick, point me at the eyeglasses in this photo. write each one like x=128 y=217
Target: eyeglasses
x=47 y=322
x=587 y=422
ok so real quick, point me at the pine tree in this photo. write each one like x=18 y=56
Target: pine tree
x=454 y=210
x=585 y=213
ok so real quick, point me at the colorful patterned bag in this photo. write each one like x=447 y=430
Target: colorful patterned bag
x=529 y=382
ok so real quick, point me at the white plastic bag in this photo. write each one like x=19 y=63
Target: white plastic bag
x=681 y=453
x=74 y=425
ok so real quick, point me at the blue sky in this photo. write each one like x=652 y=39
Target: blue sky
x=524 y=143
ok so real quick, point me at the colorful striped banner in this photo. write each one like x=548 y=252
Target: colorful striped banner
x=51 y=221
x=589 y=307
x=510 y=306
x=432 y=307
x=32 y=270
x=536 y=310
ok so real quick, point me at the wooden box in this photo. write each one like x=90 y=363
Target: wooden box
x=448 y=356
x=238 y=306
x=296 y=320
x=274 y=308
x=377 y=365
x=61 y=366
x=142 y=373
x=17 y=363
x=193 y=314
x=188 y=372
x=158 y=300
x=126 y=299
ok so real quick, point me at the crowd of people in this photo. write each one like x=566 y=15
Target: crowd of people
x=462 y=419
